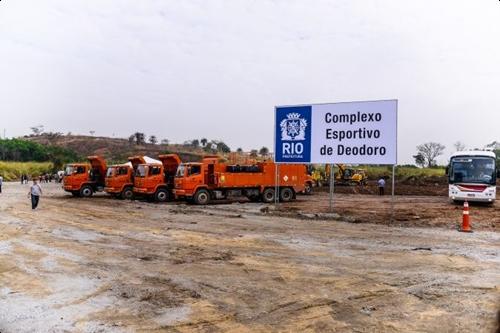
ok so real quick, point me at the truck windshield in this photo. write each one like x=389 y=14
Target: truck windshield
x=69 y=170
x=180 y=171
x=474 y=169
x=72 y=169
x=110 y=172
x=141 y=171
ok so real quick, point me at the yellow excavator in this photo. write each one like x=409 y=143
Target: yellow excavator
x=344 y=176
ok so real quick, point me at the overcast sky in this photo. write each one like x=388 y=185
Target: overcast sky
x=216 y=69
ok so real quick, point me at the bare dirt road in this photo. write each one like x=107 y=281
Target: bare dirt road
x=104 y=265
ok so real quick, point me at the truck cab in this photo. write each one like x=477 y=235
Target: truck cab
x=155 y=180
x=120 y=181
x=120 y=177
x=84 y=179
x=191 y=177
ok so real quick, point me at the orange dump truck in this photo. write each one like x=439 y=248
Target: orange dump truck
x=84 y=179
x=156 y=180
x=120 y=177
x=211 y=180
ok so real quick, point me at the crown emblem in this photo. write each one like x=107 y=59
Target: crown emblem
x=293 y=127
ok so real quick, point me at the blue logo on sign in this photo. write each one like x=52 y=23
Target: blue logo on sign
x=293 y=134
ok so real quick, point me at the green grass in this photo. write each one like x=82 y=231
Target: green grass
x=14 y=170
x=402 y=172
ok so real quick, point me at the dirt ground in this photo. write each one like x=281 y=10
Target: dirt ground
x=104 y=265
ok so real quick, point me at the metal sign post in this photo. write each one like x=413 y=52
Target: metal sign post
x=332 y=186
x=392 y=191
x=276 y=185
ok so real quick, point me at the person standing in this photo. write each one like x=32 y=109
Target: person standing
x=381 y=186
x=35 y=193
x=1 y=183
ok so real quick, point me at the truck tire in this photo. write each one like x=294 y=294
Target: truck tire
x=161 y=195
x=286 y=194
x=86 y=191
x=201 y=197
x=127 y=193
x=308 y=189
x=268 y=195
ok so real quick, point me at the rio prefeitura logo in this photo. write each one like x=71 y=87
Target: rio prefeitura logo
x=293 y=128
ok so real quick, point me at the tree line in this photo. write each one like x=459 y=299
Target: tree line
x=429 y=151
x=27 y=151
x=209 y=146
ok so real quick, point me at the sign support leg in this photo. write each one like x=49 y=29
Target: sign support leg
x=392 y=192
x=276 y=186
x=332 y=186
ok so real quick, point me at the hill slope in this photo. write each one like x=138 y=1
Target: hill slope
x=114 y=149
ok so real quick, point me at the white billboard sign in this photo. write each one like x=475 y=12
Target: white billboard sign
x=351 y=133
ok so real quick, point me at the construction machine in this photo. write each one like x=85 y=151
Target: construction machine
x=350 y=176
x=344 y=176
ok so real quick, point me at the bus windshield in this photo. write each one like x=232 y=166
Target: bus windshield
x=472 y=169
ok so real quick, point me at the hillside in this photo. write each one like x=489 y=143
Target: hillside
x=114 y=149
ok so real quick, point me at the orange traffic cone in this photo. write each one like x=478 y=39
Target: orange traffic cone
x=466 y=219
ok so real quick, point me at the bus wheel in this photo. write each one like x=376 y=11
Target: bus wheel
x=268 y=195
x=161 y=195
x=201 y=197
x=127 y=194
x=86 y=191
x=286 y=194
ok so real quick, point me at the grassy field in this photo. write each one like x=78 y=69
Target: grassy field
x=14 y=170
x=403 y=171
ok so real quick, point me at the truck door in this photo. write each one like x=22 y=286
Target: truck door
x=211 y=174
x=155 y=176
x=122 y=175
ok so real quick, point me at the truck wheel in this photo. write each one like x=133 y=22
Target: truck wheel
x=308 y=189
x=268 y=195
x=201 y=197
x=286 y=194
x=161 y=195
x=86 y=191
x=127 y=194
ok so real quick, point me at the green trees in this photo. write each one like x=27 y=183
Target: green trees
x=24 y=151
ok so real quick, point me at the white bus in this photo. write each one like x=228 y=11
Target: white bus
x=472 y=176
